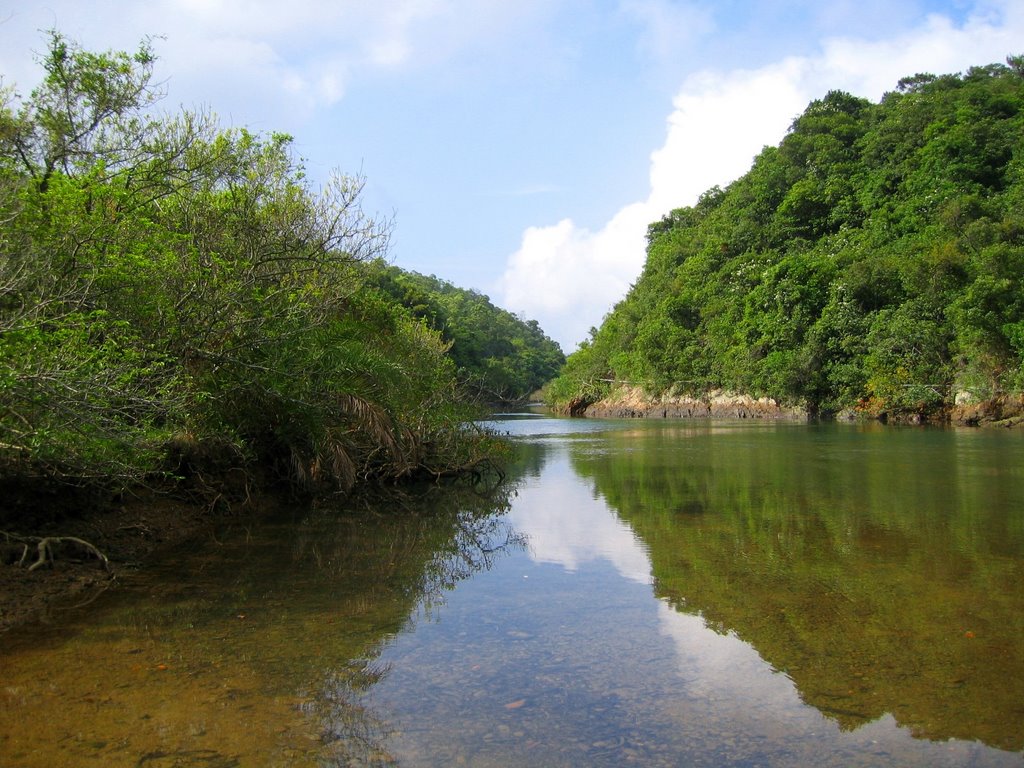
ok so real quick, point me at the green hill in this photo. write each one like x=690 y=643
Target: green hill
x=499 y=357
x=873 y=260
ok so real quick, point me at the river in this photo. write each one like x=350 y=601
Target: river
x=650 y=593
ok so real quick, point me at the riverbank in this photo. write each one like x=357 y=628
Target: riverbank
x=633 y=403
x=1003 y=411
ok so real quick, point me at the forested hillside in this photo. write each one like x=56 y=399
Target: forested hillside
x=873 y=260
x=499 y=358
x=178 y=306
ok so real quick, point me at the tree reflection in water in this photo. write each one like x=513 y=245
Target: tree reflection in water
x=257 y=649
x=429 y=545
x=879 y=571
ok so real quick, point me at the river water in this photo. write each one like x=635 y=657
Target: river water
x=644 y=593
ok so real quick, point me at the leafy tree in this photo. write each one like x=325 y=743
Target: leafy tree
x=176 y=301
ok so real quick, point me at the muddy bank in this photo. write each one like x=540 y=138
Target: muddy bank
x=632 y=403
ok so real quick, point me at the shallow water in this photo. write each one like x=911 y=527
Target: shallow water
x=638 y=593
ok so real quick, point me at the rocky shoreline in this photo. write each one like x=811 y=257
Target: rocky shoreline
x=633 y=403
x=1002 y=411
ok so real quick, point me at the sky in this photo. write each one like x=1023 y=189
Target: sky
x=522 y=148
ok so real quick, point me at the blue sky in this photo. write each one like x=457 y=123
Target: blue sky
x=522 y=147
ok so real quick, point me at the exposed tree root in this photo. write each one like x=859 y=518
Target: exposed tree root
x=46 y=548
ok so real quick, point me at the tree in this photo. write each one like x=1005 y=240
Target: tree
x=175 y=301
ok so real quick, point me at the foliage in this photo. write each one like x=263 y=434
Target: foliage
x=874 y=259
x=174 y=296
x=499 y=357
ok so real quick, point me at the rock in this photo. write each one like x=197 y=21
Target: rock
x=632 y=402
x=1001 y=410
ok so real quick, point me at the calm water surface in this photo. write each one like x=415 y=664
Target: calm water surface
x=638 y=593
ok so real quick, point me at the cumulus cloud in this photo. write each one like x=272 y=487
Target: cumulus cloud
x=558 y=270
x=568 y=277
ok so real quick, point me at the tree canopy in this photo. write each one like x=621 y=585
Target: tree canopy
x=873 y=259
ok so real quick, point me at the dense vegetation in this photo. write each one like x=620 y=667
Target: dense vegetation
x=177 y=303
x=874 y=259
x=499 y=357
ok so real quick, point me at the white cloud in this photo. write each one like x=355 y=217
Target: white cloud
x=560 y=270
x=719 y=124
x=273 y=59
x=568 y=277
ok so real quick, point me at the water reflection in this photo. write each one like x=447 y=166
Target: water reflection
x=255 y=651
x=564 y=662
x=653 y=594
x=879 y=571
x=565 y=523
